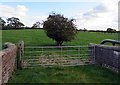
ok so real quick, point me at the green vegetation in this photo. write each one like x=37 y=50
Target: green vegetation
x=38 y=37
x=60 y=28
x=80 y=74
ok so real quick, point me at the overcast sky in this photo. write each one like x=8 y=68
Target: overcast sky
x=89 y=14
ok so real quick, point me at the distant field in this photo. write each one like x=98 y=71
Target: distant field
x=38 y=37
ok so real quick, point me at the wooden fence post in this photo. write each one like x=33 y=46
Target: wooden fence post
x=20 y=55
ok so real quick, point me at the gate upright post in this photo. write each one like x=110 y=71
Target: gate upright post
x=20 y=54
x=61 y=51
x=79 y=52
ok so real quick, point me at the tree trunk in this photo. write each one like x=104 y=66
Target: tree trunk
x=59 y=43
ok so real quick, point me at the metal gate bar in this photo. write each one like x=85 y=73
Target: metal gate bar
x=35 y=56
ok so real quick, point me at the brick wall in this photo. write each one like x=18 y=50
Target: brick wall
x=7 y=62
x=0 y=68
x=106 y=56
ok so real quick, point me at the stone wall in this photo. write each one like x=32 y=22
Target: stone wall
x=106 y=56
x=7 y=62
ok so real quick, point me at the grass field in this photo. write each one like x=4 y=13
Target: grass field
x=38 y=37
x=81 y=74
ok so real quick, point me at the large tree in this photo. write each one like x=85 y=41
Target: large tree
x=59 y=28
x=14 y=22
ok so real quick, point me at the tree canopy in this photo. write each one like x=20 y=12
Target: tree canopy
x=110 y=30
x=14 y=22
x=59 y=28
x=36 y=25
x=2 y=22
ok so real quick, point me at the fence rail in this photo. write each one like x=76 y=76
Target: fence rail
x=54 y=46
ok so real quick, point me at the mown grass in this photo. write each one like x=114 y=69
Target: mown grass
x=82 y=74
x=38 y=37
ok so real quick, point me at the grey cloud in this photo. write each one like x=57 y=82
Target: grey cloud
x=95 y=11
